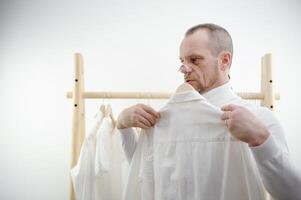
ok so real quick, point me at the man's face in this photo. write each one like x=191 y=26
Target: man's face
x=200 y=66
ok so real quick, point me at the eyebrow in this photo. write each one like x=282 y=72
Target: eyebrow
x=193 y=56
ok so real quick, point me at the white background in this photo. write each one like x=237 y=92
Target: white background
x=127 y=46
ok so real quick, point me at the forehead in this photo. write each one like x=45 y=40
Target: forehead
x=194 y=44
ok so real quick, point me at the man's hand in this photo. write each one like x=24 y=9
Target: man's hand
x=139 y=115
x=244 y=125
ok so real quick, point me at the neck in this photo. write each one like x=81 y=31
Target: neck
x=215 y=85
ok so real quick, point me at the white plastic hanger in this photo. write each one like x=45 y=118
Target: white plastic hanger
x=185 y=87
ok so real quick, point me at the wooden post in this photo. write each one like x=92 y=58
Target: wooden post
x=267 y=82
x=78 y=124
x=267 y=88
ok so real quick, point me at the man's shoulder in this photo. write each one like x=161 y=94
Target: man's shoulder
x=262 y=112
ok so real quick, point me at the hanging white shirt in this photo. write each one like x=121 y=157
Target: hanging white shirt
x=100 y=171
x=109 y=163
x=83 y=173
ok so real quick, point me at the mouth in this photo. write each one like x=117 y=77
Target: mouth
x=189 y=81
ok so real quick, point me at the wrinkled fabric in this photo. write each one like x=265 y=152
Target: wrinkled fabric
x=189 y=154
x=279 y=174
x=133 y=187
x=195 y=156
x=83 y=173
x=100 y=171
x=140 y=184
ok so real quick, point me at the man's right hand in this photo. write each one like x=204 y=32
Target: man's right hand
x=139 y=115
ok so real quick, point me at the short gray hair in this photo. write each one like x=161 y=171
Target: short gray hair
x=220 y=39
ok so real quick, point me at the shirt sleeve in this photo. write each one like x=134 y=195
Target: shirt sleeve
x=279 y=174
x=129 y=142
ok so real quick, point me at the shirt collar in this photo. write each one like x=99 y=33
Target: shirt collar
x=185 y=96
x=218 y=96
x=221 y=95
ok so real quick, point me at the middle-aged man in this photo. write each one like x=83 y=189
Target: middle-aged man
x=206 y=55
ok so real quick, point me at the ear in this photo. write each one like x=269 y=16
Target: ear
x=224 y=60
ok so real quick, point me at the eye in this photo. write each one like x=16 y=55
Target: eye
x=194 y=60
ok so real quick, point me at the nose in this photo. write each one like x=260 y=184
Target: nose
x=185 y=69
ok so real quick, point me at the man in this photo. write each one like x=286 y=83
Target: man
x=206 y=55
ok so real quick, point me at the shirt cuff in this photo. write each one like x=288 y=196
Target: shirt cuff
x=267 y=150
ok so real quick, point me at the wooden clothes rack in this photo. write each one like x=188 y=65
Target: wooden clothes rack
x=267 y=96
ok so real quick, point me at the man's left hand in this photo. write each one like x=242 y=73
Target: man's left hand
x=244 y=125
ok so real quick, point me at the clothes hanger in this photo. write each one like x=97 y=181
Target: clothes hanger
x=184 y=87
x=109 y=113
x=102 y=109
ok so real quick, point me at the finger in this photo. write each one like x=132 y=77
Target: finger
x=141 y=125
x=144 y=122
x=229 y=107
x=147 y=116
x=228 y=122
x=226 y=115
x=151 y=111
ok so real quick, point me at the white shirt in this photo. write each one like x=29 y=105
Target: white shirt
x=99 y=172
x=83 y=173
x=189 y=154
x=278 y=174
